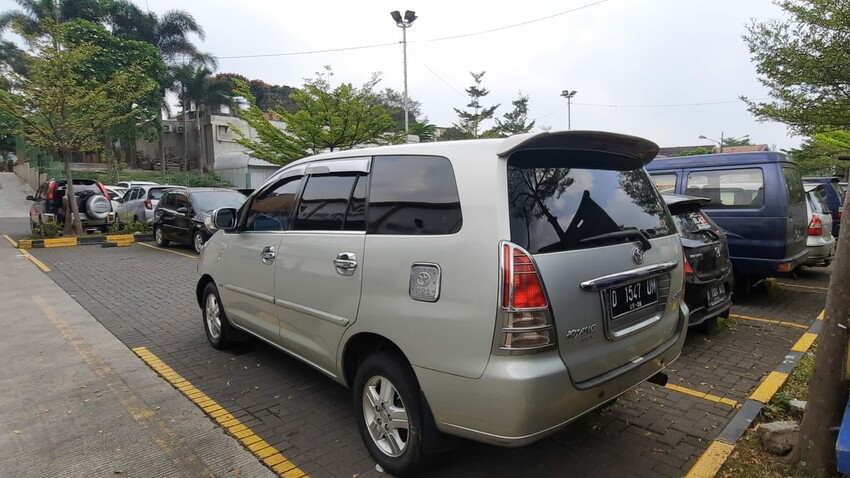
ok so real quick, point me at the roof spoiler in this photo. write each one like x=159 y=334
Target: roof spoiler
x=633 y=147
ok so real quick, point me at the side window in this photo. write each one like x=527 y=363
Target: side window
x=666 y=183
x=134 y=193
x=355 y=218
x=167 y=201
x=180 y=200
x=324 y=203
x=735 y=188
x=413 y=195
x=271 y=210
x=794 y=183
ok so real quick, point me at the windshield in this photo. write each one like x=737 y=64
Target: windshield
x=557 y=207
x=156 y=193
x=209 y=200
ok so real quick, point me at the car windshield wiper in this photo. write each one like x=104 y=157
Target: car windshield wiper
x=631 y=232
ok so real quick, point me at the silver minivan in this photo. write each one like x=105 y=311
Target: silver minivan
x=491 y=289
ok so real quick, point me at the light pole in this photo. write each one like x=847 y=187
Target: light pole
x=719 y=143
x=404 y=24
x=569 y=96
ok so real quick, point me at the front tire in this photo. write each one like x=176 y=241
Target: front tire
x=389 y=413
x=217 y=328
x=159 y=237
x=198 y=241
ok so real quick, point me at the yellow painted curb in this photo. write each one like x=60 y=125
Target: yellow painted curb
x=711 y=460
x=259 y=447
x=60 y=242
x=805 y=342
x=25 y=244
x=769 y=387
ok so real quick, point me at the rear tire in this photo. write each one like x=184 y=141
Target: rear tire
x=159 y=237
x=217 y=328
x=389 y=413
x=198 y=241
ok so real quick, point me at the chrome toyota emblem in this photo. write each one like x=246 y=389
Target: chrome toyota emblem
x=637 y=255
x=423 y=279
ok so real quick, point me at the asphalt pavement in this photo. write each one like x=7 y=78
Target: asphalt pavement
x=76 y=402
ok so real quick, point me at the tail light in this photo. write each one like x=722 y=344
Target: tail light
x=688 y=268
x=148 y=204
x=815 y=227
x=525 y=324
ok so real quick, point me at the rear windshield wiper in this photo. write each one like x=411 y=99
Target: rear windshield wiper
x=632 y=233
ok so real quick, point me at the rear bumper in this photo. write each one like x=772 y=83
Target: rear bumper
x=753 y=267
x=820 y=253
x=521 y=399
x=696 y=296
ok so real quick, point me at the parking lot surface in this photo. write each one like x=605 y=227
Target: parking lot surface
x=145 y=297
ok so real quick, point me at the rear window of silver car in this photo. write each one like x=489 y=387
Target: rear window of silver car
x=568 y=200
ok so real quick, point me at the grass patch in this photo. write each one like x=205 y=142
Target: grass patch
x=175 y=178
x=749 y=460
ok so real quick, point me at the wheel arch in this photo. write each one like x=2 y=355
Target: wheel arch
x=199 y=289
x=361 y=346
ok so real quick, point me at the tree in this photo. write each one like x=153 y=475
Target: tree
x=817 y=156
x=732 y=141
x=801 y=60
x=516 y=120
x=169 y=32
x=327 y=118
x=425 y=130
x=207 y=94
x=63 y=110
x=695 y=151
x=394 y=102
x=470 y=121
x=273 y=144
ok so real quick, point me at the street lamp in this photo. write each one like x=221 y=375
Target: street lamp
x=569 y=96
x=404 y=24
x=719 y=143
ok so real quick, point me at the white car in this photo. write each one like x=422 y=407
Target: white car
x=820 y=242
x=115 y=195
x=130 y=184
x=139 y=202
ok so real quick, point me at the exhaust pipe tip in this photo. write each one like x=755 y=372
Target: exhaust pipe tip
x=659 y=378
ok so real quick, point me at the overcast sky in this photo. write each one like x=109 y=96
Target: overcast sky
x=625 y=58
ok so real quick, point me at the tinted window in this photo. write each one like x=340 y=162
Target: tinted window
x=324 y=203
x=355 y=218
x=794 y=183
x=270 y=210
x=180 y=200
x=817 y=202
x=566 y=200
x=156 y=193
x=666 y=183
x=736 y=188
x=167 y=202
x=210 y=200
x=413 y=195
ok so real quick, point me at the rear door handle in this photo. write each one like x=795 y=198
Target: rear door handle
x=346 y=263
x=268 y=255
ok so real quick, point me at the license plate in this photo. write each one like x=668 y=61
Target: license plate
x=632 y=297
x=716 y=294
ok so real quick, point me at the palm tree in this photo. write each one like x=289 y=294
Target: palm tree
x=33 y=13
x=169 y=32
x=207 y=94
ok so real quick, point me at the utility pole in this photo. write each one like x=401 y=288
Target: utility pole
x=569 y=96
x=404 y=24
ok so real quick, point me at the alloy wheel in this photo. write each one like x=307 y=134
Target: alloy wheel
x=213 y=316
x=386 y=416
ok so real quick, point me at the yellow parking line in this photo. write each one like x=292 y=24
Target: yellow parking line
x=259 y=447
x=167 y=250
x=822 y=313
x=711 y=460
x=697 y=393
x=35 y=261
x=770 y=321
x=769 y=387
x=803 y=286
x=13 y=242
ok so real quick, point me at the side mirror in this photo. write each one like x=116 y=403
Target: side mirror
x=224 y=218
x=30 y=198
x=182 y=210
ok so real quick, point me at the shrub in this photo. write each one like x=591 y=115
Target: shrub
x=132 y=227
x=48 y=230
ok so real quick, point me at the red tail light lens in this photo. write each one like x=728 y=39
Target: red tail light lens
x=525 y=324
x=688 y=268
x=815 y=227
x=148 y=204
x=51 y=189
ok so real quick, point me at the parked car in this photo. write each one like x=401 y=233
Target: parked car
x=708 y=268
x=131 y=184
x=115 y=194
x=834 y=195
x=183 y=214
x=92 y=202
x=820 y=242
x=139 y=202
x=757 y=198
x=541 y=272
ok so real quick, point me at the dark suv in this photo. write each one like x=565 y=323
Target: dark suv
x=183 y=214
x=92 y=202
x=708 y=269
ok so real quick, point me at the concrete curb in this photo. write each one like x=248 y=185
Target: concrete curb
x=119 y=239
x=710 y=462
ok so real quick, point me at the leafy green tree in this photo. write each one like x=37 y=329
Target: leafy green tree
x=516 y=120
x=327 y=118
x=272 y=144
x=470 y=120
x=696 y=151
x=62 y=109
x=169 y=32
x=425 y=130
x=817 y=155
x=801 y=60
x=207 y=94
x=267 y=95
x=394 y=102
x=732 y=141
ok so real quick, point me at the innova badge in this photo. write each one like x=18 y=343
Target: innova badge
x=637 y=255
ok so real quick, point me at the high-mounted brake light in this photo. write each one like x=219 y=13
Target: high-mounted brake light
x=815 y=227
x=525 y=324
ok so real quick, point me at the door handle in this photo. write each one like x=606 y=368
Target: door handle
x=346 y=263
x=268 y=255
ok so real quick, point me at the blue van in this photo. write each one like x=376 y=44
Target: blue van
x=756 y=197
x=834 y=196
